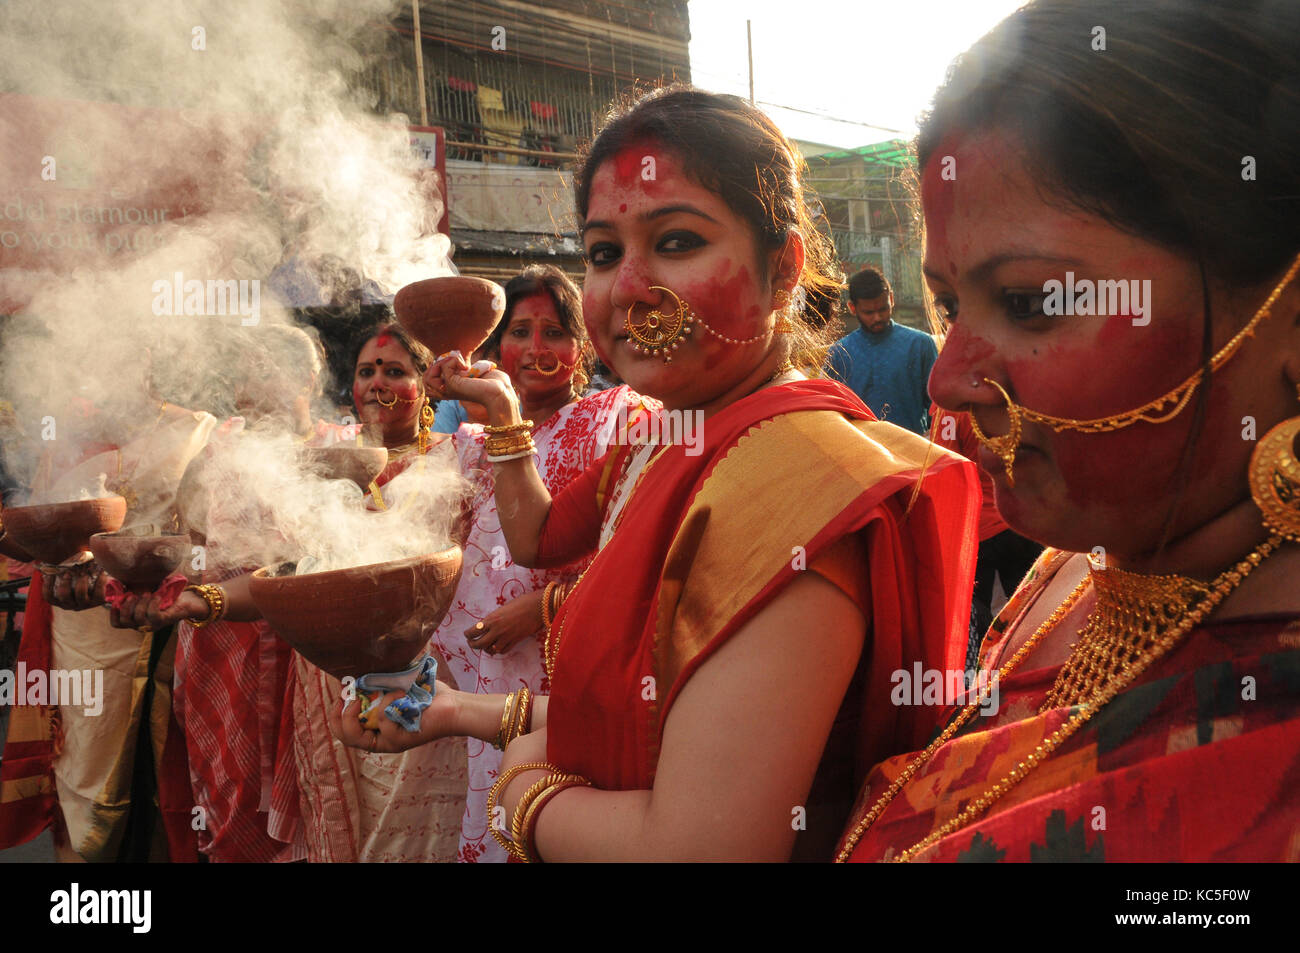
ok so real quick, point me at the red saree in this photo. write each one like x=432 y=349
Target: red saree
x=27 y=801
x=1199 y=760
x=707 y=541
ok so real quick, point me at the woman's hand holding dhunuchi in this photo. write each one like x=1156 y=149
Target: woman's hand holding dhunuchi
x=74 y=587
x=451 y=376
x=439 y=720
x=145 y=609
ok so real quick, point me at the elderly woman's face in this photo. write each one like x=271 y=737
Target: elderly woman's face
x=992 y=242
x=386 y=389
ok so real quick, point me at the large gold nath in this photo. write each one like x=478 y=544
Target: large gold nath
x=658 y=333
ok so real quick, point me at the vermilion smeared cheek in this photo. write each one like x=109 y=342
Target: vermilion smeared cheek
x=1122 y=368
x=512 y=350
x=407 y=388
x=727 y=303
x=1139 y=365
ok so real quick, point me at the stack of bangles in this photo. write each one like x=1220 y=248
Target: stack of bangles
x=516 y=718
x=552 y=598
x=523 y=826
x=509 y=441
x=215 y=597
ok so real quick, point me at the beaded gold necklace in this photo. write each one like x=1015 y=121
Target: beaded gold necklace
x=1104 y=691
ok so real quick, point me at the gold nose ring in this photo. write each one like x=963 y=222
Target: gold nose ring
x=1005 y=446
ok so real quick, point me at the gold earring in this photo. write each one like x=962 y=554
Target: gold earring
x=425 y=434
x=1275 y=479
x=1006 y=445
x=658 y=333
x=783 y=323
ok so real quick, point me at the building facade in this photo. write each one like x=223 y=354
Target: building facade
x=516 y=87
x=866 y=196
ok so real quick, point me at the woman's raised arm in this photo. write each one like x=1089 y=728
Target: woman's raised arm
x=522 y=498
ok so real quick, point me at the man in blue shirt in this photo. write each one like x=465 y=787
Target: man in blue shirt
x=886 y=364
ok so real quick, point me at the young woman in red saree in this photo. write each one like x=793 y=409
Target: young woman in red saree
x=720 y=673
x=1149 y=707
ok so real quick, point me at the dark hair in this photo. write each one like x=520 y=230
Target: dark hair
x=1154 y=133
x=733 y=149
x=1150 y=133
x=421 y=356
x=867 y=283
x=568 y=306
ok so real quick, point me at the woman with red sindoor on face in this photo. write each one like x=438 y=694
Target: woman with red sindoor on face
x=360 y=806
x=488 y=640
x=491 y=637
x=353 y=806
x=766 y=554
x=1147 y=702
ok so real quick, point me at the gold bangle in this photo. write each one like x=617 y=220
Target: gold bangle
x=501 y=438
x=517 y=822
x=527 y=842
x=526 y=713
x=556 y=776
x=500 y=742
x=521 y=715
x=494 y=794
x=215 y=597
x=523 y=433
x=499 y=447
x=547 y=611
x=502 y=429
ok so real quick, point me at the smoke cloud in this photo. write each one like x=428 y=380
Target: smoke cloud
x=173 y=177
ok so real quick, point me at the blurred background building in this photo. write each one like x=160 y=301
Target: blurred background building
x=515 y=87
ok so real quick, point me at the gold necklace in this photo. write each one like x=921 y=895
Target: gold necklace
x=1218 y=591
x=1133 y=614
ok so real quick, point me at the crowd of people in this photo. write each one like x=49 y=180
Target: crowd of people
x=744 y=649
